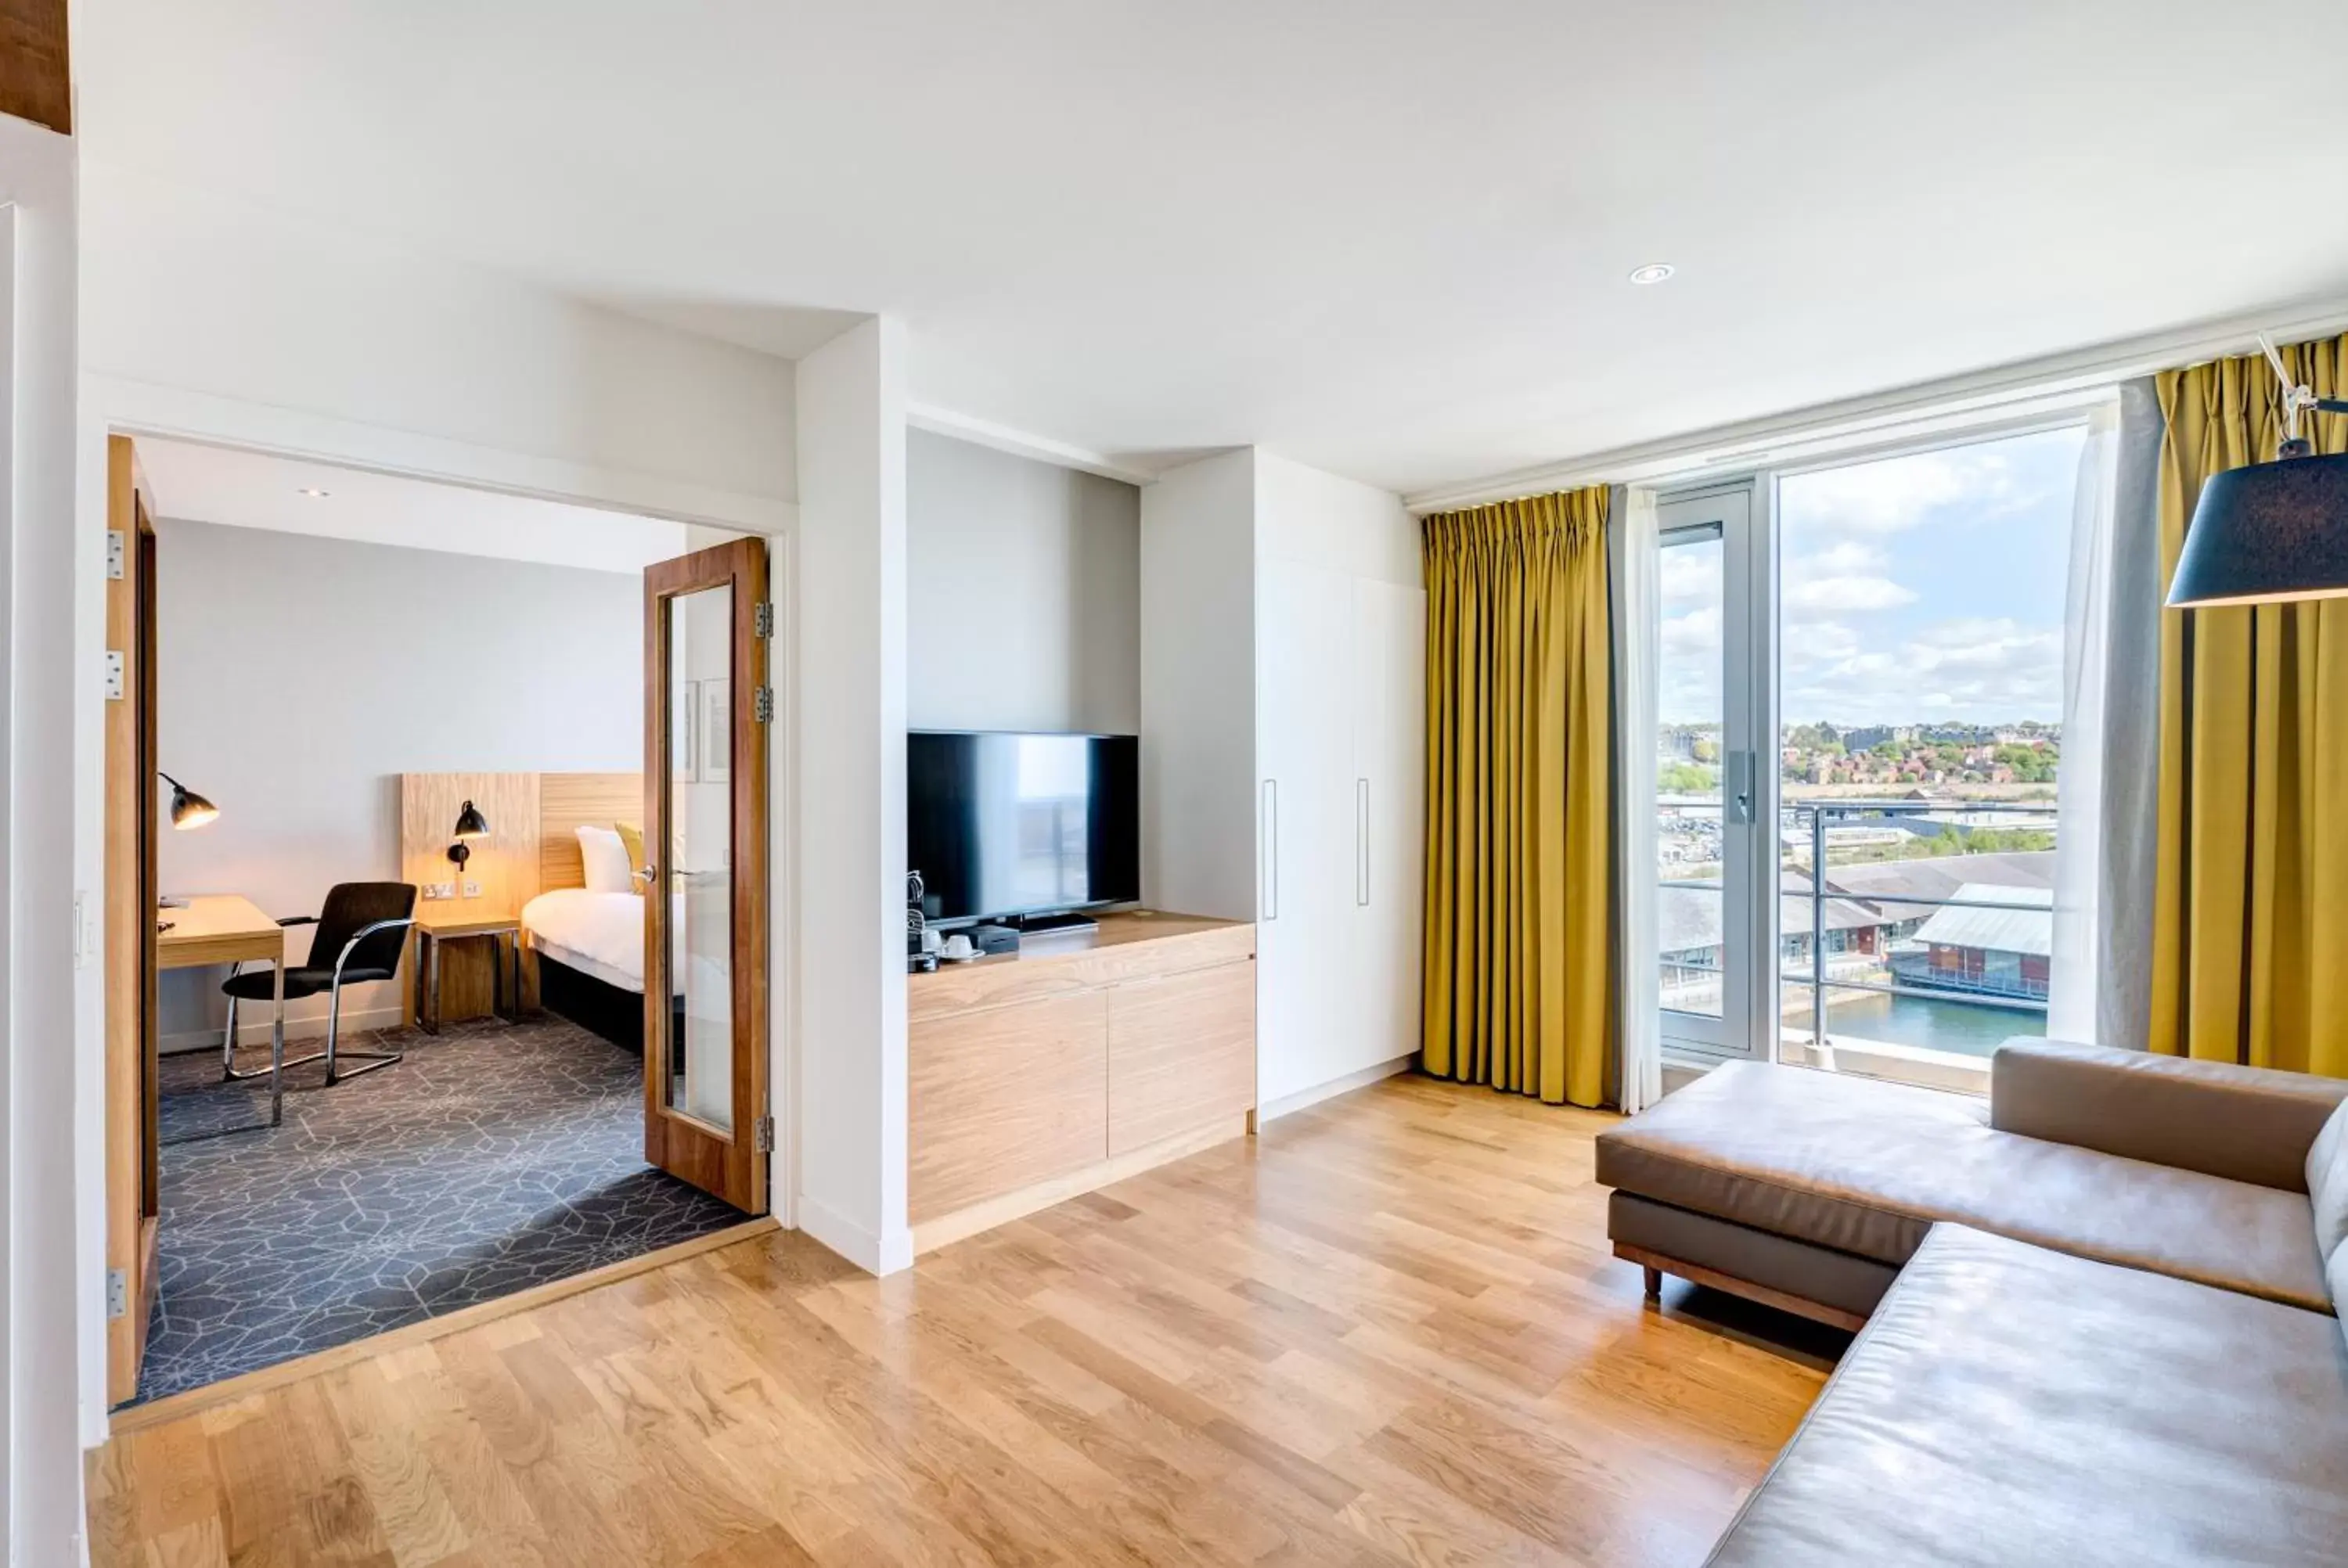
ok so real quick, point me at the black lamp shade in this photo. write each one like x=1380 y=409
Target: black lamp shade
x=470 y=822
x=190 y=809
x=2269 y=532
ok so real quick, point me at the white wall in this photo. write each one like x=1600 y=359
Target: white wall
x=50 y=1256
x=1023 y=588
x=208 y=316
x=203 y=292
x=1197 y=688
x=850 y=654
x=299 y=677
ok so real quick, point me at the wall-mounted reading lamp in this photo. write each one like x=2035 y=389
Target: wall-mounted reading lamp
x=2272 y=531
x=470 y=824
x=189 y=809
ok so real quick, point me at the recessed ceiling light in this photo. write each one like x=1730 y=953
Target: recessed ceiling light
x=314 y=493
x=1652 y=273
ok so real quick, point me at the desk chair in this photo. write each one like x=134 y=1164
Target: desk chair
x=364 y=926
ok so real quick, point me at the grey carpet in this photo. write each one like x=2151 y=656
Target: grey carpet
x=496 y=1156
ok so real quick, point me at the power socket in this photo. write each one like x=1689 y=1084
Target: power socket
x=439 y=890
x=472 y=890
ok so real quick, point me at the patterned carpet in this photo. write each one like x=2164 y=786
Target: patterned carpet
x=495 y=1157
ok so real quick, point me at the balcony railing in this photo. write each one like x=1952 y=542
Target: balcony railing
x=2018 y=992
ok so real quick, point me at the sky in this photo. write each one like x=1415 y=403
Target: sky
x=1917 y=590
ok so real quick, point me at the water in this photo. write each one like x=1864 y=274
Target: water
x=1964 y=1028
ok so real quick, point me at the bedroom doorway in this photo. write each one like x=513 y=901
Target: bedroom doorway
x=444 y=986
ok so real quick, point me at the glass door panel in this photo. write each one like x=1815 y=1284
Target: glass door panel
x=699 y=833
x=1705 y=780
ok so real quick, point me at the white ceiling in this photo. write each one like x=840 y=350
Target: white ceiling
x=201 y=484
x=1388 y=240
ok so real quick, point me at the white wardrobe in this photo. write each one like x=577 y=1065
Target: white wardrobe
x=1317 y=711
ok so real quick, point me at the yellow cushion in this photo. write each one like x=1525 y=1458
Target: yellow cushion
x=633 y=838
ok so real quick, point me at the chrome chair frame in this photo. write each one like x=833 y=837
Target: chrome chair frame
x=368 y=1059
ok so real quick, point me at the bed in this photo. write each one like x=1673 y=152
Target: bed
x=591 y=969
x=591 y=960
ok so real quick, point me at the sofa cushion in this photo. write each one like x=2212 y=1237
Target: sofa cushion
x=2327 y=1183
x=2250 y=1123
x=1864 y=1166
x=2007 y=1404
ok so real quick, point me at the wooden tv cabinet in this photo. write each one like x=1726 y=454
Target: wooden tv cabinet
x=1084 y=1058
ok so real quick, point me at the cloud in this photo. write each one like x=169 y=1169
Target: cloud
x=1697 y=631
x=1982 y=669
x=1896 y=494
x=1691 y=574
x=1836 y=594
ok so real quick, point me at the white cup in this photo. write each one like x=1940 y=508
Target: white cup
x=957 y=948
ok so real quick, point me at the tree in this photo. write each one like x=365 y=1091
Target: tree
x=1687 y=778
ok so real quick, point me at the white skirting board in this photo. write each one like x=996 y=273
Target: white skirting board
x=252 y=1028
x=1272 y=1111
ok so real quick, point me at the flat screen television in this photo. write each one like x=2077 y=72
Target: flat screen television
x=1001 y=824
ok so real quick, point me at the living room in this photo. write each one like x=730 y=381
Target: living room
x=1620 y=728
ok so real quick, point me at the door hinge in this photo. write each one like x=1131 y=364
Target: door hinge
x=115 y=568
x=762 y=704
x=762 y=1135
x=762 y=618
x=113 y=675
x=118 y=1293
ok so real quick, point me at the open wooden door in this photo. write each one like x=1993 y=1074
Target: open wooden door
x=132 y=1176
x=706 y=714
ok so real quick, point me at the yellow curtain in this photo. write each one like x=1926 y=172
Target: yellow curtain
x=2250 y=897
x=1520 y=967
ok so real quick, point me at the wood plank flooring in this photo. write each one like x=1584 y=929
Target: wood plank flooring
x=1388 y=1331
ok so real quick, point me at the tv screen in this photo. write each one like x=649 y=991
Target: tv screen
x=1002 y=824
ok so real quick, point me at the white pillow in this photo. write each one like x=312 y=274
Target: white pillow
x=604 y=858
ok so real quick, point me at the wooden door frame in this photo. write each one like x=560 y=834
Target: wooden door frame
x=733 y=1165
x=132 y=1174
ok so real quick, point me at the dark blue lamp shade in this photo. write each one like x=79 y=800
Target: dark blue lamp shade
x=2265 y=534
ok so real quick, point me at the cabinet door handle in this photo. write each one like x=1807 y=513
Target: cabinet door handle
x=1361 y=841
x=1271 y=895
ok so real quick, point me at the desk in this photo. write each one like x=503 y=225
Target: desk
x=432 y=929
x=222 y=929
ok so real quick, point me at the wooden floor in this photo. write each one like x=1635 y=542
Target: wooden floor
x=1387 y=1331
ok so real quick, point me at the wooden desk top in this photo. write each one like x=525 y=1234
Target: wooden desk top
x=217 y=928
x=1121 y=947
x=443 y=921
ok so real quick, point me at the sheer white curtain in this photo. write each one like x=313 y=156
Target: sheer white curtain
x=2076 y=984
x=1638 y=651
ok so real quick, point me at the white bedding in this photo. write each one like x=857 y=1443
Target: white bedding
x=598 y=934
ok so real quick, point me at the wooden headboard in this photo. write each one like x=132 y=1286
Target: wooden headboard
x=532 y=845
x=568 y=801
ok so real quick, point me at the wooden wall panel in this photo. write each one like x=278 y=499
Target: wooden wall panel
x=35 y=72
x=568 y=801
x=1181 y=1054
x=1001 y=1100
x=505 y=862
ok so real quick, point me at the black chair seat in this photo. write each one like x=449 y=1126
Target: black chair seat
x=254 y=985
x=364 y=926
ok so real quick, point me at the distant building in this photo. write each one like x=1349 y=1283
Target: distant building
x=1869 y=921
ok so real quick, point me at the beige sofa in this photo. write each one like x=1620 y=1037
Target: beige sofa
x=2098 y=1310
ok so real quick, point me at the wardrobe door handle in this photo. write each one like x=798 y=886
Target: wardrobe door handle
x=1361 y=841
x=1271 y=810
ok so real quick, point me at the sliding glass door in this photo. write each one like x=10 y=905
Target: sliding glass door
x=1707 y=781
x=1859 y=727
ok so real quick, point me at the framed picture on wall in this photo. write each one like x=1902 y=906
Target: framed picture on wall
x=716 y=730
x=683 y=732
